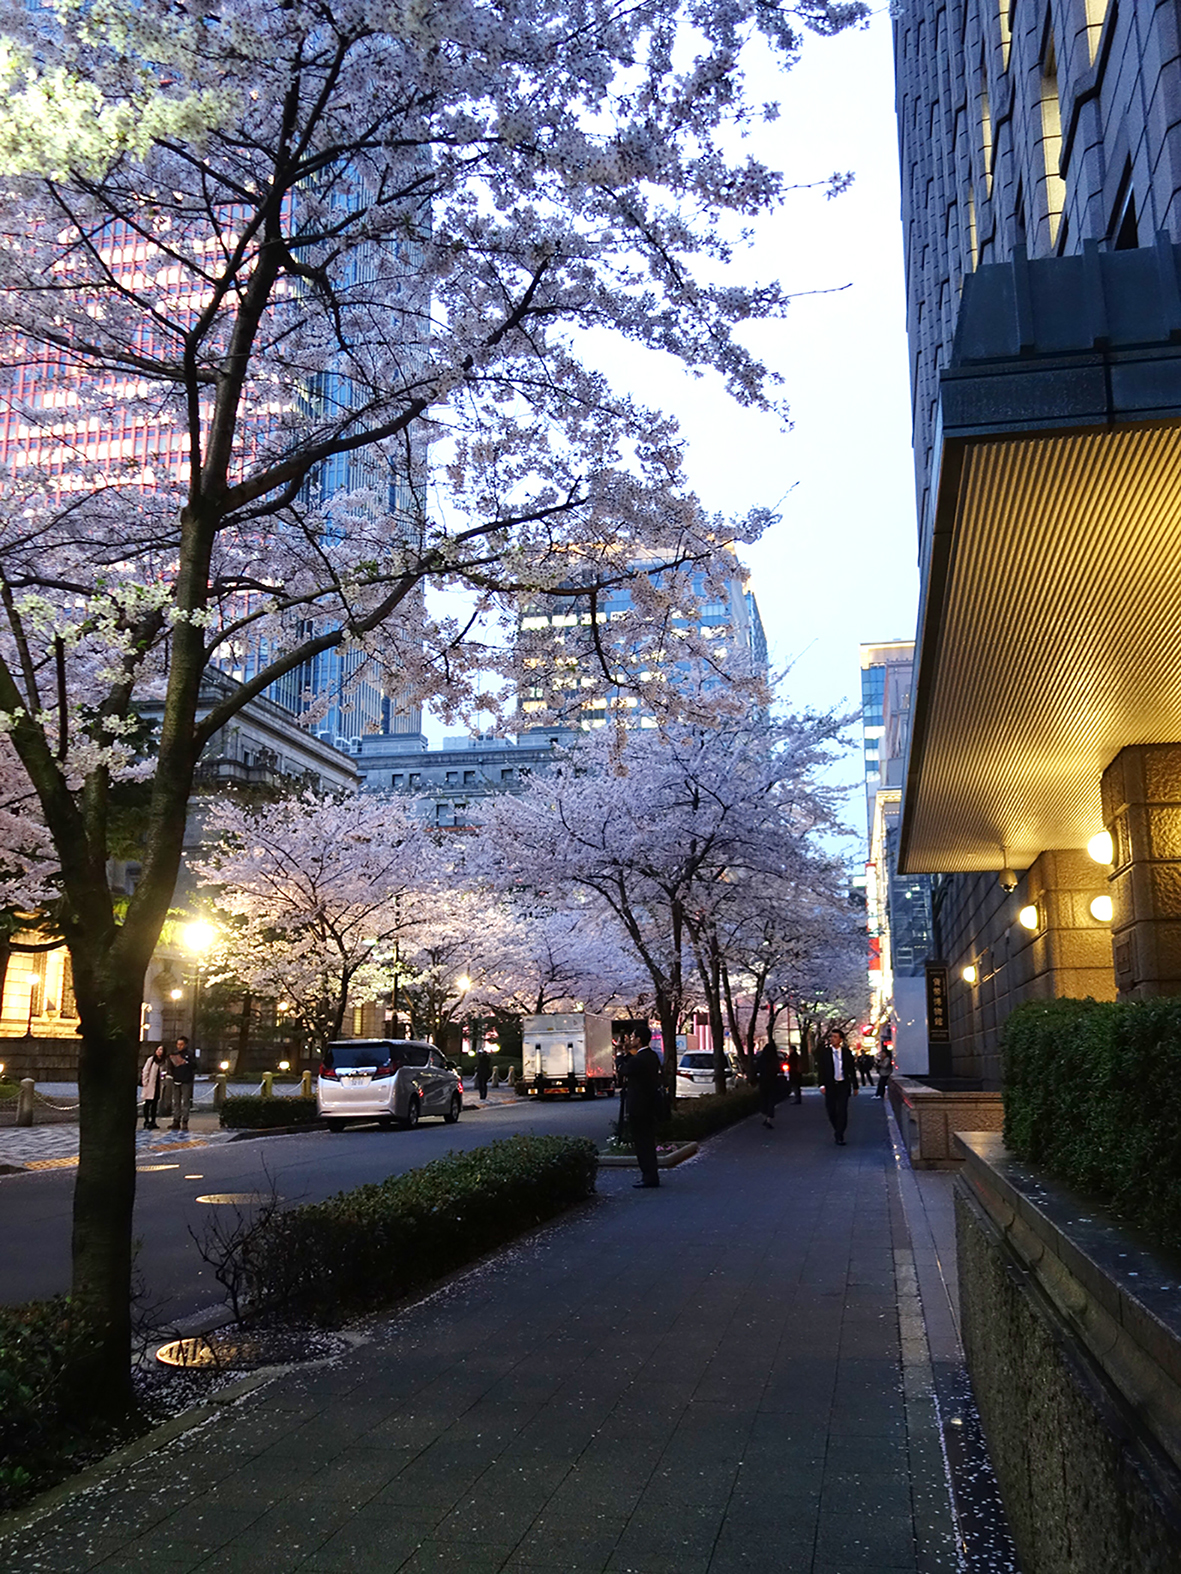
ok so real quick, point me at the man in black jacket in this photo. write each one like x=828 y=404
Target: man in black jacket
x=181 y=1070
x=836 y=1072
x=640 y=1068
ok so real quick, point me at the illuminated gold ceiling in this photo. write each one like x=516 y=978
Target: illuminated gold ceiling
x=1051 y=638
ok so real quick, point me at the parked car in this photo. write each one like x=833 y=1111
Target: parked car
x=387 y=1080
x=695 y=1074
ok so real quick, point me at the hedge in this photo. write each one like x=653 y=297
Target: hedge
x=40 y=1429
x=1093 y=1096
x=362 y=1249
x=693 y=1119
x=255 y=1113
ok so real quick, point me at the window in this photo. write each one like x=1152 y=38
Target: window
x=506 y=775
x=1052 y=143
x=415 y=779
x=1124 y=229
x=985 y=131
x=452 y=777
x=1004 y=24
x=436 y=1061
x=1096 y=16
x=399 y=779
x=468 y=778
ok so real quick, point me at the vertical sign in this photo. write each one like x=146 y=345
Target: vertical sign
x=938 y=1023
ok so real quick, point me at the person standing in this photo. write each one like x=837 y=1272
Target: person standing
x=151 y=1080
x=181 y=1071
x=767 y=1064
x=483 y=1072
x=837 y=1075
x=884 y=1063
x=641 y=1072
x=795 y=1075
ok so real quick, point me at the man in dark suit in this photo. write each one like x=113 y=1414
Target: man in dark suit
x=640 y=1068
x=836 y=1072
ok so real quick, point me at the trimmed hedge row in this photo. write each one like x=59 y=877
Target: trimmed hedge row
x=693 y=1119
x=362 y=1249
x=40 y=1430
x=1093 y=1095
x=250 y=1112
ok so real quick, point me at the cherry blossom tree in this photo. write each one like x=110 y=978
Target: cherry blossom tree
x=569 y=957
x=315 y=892
x=652 y=826
x=256 y=259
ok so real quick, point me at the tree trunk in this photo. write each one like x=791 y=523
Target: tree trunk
x=104 y=1194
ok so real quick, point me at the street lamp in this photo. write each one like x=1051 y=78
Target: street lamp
x=197 y=938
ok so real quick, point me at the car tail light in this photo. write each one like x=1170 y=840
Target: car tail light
x=329 y=1073
x=459 y=1084
x=783 y=1067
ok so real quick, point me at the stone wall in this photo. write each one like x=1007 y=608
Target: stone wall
x=1073 y=1342
x=929 y=1117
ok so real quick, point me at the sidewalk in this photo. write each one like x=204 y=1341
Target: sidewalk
x=732 y=1376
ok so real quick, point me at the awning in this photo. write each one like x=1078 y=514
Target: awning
x=1050 y=628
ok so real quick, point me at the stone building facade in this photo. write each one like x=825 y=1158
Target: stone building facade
x=1040 y=144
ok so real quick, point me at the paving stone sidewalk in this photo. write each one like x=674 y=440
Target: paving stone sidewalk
x=709 y=1381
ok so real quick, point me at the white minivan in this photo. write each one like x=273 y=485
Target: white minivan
x=387 y=1080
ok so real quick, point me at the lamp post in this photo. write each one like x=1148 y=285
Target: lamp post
x=197 y=938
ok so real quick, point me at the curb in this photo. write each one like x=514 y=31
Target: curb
x=664 y=1161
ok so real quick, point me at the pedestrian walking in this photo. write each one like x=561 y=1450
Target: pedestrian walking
x=181 y=1071
x=884 y=1063
x=865 y=1067
x=151 y=1080
x=838 y=1077
x=767 y=1063
x=795 y=1075
x=483 y=1072
x=641 y=1072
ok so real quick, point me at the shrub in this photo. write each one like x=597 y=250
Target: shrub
x=40 y=1430
x=693 y=1119
x=364 y=1248
x=255 y=1113
x=1093 y=1095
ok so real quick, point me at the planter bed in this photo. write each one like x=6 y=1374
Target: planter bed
x=665 y=1159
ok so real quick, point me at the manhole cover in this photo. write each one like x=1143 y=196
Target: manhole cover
x=146 y=1169
x=241 y=1199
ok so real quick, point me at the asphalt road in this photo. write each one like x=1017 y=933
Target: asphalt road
x=178 y=1286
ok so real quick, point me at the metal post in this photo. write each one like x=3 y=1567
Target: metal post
x=24 y=1102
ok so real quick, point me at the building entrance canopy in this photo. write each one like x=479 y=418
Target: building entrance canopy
x=1050 y=625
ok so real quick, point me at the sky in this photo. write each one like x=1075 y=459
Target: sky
x=840 y=567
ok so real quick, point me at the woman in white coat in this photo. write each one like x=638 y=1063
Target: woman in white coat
x=149 y=1080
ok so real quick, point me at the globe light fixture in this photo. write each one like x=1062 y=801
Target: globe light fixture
x=464 y=983
x=1101 y=849
x=175 y=994
x=1027 y=917
x=223 y=1065
x=198 y=936
x=1103 y=909
x=968 y=974
x=284 y=1065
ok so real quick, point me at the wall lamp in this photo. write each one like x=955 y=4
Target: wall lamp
x=1101 y=849
x=1028 y=917
x=968 y=974
x=1103 y=909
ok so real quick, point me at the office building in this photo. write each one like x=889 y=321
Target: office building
x=898 y=906
x=1041 y=178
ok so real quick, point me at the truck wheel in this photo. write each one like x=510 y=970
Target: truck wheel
x=412 y=1114
x=453 y=1110
x=590 y=1091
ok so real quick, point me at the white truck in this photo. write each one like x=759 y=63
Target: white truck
x=569 y=1052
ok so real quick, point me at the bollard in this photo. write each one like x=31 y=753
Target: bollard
x=305 y=1085
x=268 y=1085
x=219 y=1090
x=496 y=1076
x=24 y=1102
